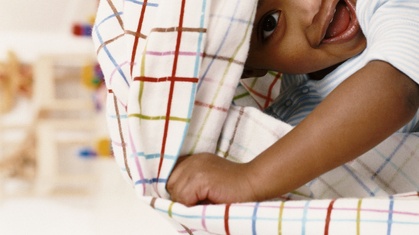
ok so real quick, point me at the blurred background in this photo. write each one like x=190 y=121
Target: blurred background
x=57 y=174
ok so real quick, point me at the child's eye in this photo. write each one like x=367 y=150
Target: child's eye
x=268 y=24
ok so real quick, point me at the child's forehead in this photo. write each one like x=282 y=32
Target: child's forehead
x=260 y=3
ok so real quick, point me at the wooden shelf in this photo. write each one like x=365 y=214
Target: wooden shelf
x=69 y=112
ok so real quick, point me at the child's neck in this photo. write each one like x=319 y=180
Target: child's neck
x=319 y=75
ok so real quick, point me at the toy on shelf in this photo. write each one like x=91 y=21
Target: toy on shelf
x=102 y=148
x=87 y=153
x=92 y=76
x=84 y=29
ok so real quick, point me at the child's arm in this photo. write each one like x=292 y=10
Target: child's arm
x=360 y=113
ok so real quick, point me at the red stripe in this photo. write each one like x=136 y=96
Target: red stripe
x=165 y=79
x=121 y=136
x=258 y=94
x=188 y=230
x=267 y=101
x=140 y=25
x=328 y=217
x=172 y=87
x=153 y=203
x=226 y=215
x=210 y=106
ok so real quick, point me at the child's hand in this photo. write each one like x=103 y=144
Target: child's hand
x=208 y=178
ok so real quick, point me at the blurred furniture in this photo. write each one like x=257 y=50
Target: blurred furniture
x=66 y=121
x=17 y=145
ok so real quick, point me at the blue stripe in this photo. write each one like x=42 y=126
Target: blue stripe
x=99 y=37
x=118 y=117
x=200 y=39
x=360 y=182
x=98 y=24
x=254 y=218
x=304 y=219
x=153 y=156
x=390 y=215
x=388 y=159
x=397 y=168
x=150 y=181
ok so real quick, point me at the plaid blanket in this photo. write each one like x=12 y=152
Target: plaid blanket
x=173 y=70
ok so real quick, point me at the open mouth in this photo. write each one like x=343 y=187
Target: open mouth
x=342 y=24
x=340 y=21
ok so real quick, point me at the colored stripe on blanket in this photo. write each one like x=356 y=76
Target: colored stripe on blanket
x=328 y=217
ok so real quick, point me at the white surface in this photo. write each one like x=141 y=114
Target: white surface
x=43 y=16
x=21 y=114
x=29 y=46
x=32 y=28
x=113 y=210
x=42 y=216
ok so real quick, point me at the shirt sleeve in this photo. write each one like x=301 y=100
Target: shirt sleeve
x=393 y=34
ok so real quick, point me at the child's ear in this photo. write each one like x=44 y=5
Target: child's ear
x=247 y=72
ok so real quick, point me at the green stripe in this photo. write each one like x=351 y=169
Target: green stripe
x=156 y=118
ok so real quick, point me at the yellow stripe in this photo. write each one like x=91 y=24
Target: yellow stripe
x=281 y=212
x=170 y=210
x=358 y=217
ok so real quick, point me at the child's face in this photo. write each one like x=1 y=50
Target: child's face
x=296 y=36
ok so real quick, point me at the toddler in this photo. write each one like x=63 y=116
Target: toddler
x=358 y=57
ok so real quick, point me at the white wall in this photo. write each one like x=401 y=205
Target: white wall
x=34 y=27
